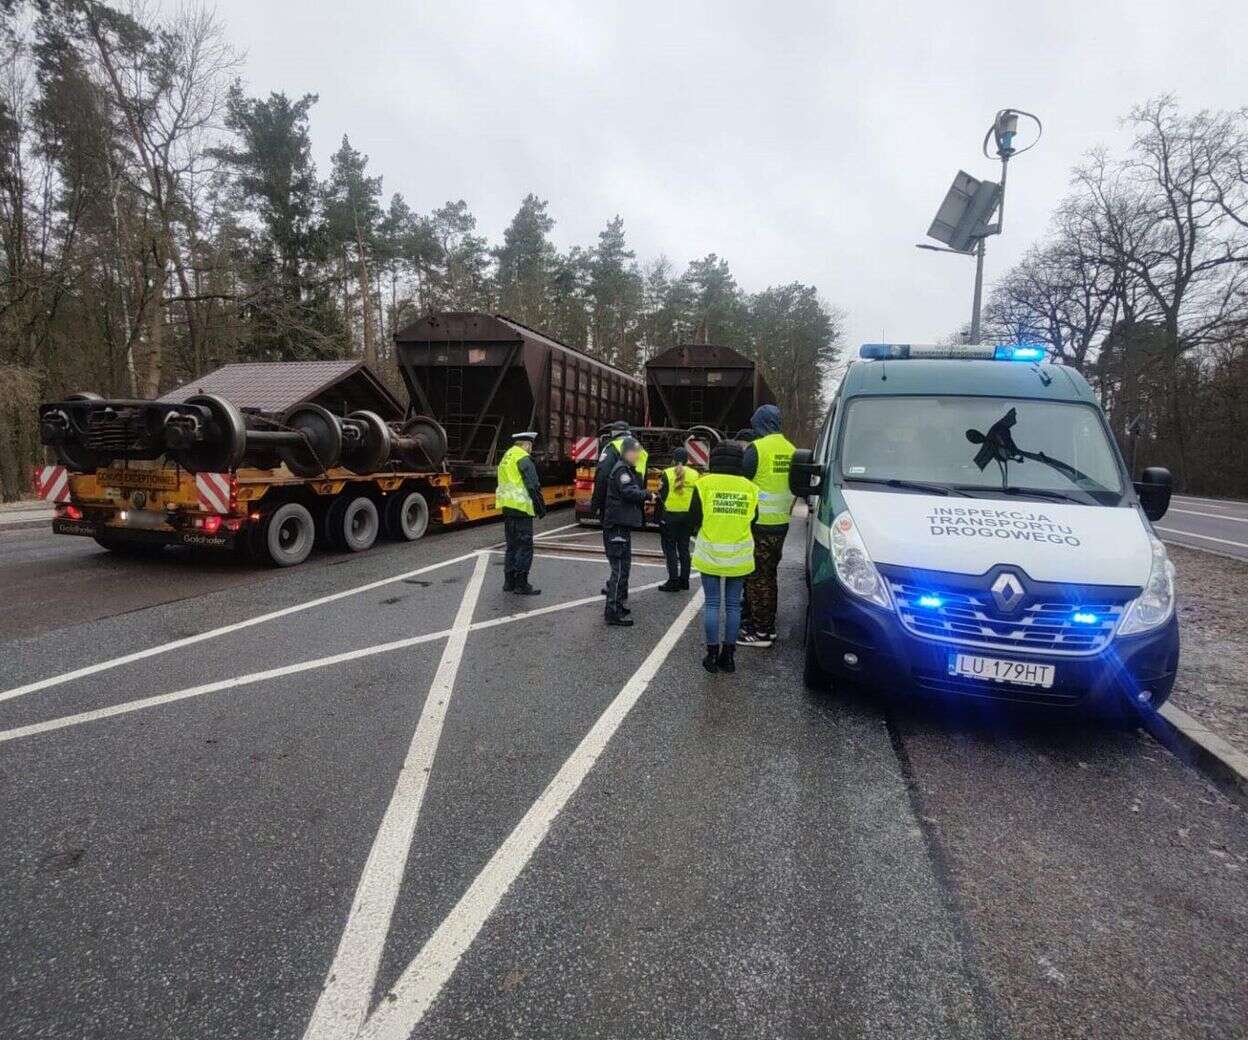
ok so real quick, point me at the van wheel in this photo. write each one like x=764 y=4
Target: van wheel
x=406 y=516
x=813 y=674
x=359 y=525
x=286 y=535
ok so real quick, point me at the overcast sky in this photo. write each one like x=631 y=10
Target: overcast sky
x=802 y=141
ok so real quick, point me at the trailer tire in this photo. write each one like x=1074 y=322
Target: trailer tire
x=406 y=516
x=359 y=525
x=287 y=535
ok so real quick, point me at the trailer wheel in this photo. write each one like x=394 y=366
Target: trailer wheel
x=287 y=534
x=360 y=525
x=406 y=516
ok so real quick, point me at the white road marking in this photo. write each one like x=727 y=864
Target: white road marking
x=538 y=534
x=1225 y=503
x=177 y=644
x=1206 y=537
x=1216 y=516
x=343 y=1003
x=599 y=560
x=1203 y=549
x=65 y=721
x=411 y=996
x=564 y=537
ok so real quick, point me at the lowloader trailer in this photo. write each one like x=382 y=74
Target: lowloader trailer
x=201 y=472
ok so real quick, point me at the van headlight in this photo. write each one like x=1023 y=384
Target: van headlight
x=854 y=566
x=1155 y=605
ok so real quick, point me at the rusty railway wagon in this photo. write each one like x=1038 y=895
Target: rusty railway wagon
x=485 y=377
x=697 y=384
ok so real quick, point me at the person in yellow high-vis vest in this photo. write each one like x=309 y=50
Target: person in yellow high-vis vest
x=519 y=496
x=767 y=460
x=723 y=509
x=675 y=496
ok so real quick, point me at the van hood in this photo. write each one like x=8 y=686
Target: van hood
x=1050 y=541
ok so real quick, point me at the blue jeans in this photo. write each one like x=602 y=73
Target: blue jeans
x=730 y=603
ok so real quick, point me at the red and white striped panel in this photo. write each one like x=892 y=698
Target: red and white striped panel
x=699 y=452
x=52 y=483
x=213 y=490
x=585 y=449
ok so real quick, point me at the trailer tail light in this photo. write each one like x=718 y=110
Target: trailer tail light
x=71 y=512
x=584 y=485
x=233 y=524
x=212 y=524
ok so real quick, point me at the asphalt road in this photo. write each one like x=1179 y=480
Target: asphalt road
x=404 y=804
x=1213 y=524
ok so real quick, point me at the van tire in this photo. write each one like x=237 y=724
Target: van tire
x=359 y=525
x=286 y=535
x=813 y=674
x=406 y=516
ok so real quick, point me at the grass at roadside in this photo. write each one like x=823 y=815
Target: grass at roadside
x=1213 y=628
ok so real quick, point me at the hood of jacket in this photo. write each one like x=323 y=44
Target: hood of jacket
x=765 y=420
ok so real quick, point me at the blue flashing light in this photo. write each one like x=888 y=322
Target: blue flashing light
x=1018 y=352
x=931 y=602
x=879 y=351
x=1084 y=617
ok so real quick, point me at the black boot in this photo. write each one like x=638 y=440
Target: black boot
x=727 y=657
x=523 y=588
x=509 y=581
x=711 y=661
x=671 y=585
x=684 y=584
x=619 y=620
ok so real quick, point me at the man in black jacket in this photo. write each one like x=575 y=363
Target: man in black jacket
x=606 y=463
x=623 y=513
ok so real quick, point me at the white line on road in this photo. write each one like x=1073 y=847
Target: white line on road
x=156 y=701
x=406 y=1003
x=1216 y=516
x=1227 y=503
x=599 y=560
x=214 y=633
x=1206 y=537
x=538 y=534
x=343 y=1004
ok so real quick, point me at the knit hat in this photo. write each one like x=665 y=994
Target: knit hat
x=680 y=456
x=728 y=457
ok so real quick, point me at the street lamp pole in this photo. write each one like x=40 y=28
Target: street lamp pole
x=977 y=301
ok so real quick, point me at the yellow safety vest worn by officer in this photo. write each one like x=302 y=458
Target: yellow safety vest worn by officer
x=642 y=457
x=511 y=492
x=725 y=546
x=679 y=501
x=775 y=457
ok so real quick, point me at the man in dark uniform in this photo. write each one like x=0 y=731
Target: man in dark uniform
x=519 y=496
x=623 y=513
x=606 y=463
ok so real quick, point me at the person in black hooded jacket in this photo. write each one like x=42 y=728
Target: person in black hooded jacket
x=623 y=513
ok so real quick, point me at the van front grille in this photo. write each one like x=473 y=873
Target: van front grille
x=972 y=619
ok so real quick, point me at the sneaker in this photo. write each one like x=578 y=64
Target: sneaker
x=755 y=639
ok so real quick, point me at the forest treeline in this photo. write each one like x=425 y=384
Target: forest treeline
x=159 y=221
x=1142 y=284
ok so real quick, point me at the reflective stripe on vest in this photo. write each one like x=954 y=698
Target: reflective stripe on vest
x=511 y=492
x=643 y=457
x=775 y=456
x=725 y=546
x=679 y=501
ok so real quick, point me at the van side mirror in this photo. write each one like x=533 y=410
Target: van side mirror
x=1154 y=488
x=805 y=474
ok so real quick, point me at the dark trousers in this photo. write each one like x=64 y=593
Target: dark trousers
x=619 y=546
x=761 y=589
x=519 y=555
x=674 y=533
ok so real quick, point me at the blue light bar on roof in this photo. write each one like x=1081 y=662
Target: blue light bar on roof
x=957 y=351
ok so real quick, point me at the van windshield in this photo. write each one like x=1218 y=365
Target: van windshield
x=982 y=445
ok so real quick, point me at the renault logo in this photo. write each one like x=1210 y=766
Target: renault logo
x=1007 y=593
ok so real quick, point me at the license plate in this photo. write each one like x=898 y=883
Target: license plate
x=995 y=669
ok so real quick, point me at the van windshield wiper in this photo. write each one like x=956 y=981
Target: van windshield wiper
x=1057 y=496
x=912 y=485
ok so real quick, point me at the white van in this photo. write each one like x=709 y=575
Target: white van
x=975 y=533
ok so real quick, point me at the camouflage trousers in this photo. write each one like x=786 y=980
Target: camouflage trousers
x=761 y=589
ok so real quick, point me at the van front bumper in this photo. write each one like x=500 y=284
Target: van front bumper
x=858 y=643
